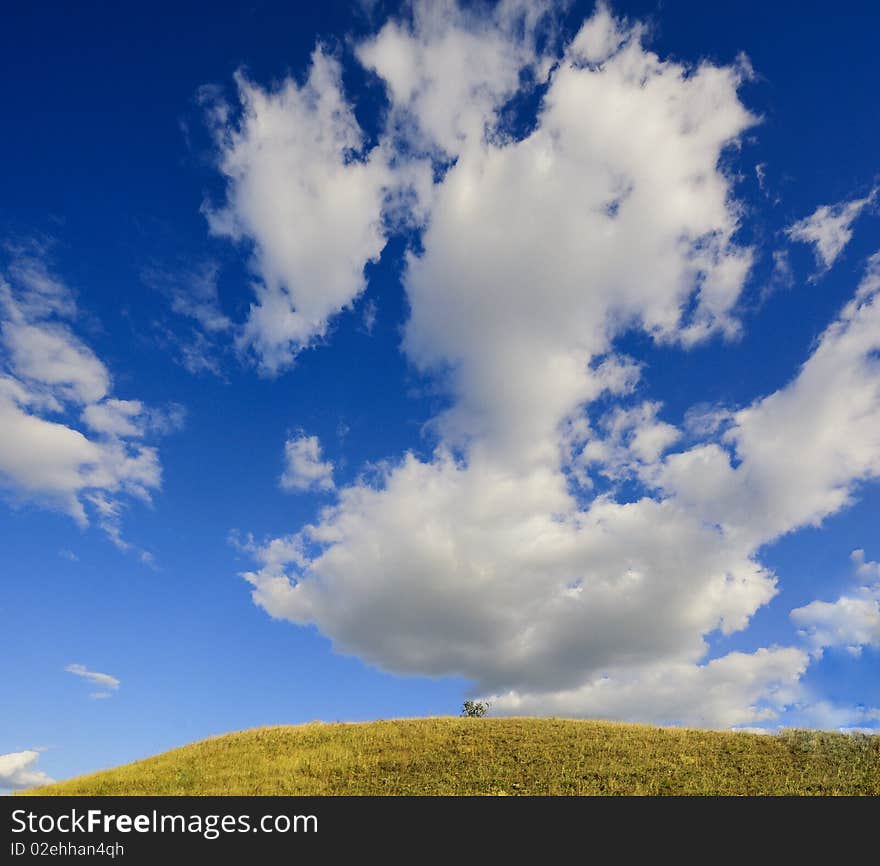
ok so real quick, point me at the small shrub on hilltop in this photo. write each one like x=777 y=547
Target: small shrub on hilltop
x=474 y=709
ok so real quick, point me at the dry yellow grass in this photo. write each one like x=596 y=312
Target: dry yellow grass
x=497 y=757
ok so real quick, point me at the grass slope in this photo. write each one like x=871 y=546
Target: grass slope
x=498 y=756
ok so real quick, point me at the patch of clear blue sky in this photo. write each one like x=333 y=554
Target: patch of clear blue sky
x=104 y=149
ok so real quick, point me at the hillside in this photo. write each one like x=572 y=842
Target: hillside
x=497 y=757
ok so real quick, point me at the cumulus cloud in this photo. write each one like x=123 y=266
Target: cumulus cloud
x=47 y=377
x=864 y=569
x=303 y=467
x=536 y=249
x=829 y=228
x=303 y=189
x=498 y=576
x=449 y=70
x=498 y=559
x=768 y=493
x=853 y=621
x=104 y=681
x=629 y=439
x=735 y=690
x=18 y=770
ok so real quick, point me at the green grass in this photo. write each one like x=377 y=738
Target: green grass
x=498 y=757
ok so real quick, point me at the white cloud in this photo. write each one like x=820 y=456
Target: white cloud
x=853 y=621
x=829 y=228
x=769 y=493
x=115 y=417
x=847 y=719
x=536 y=250
x=731 y=691
x=56 y=464
x=51 y=355
x=864 y=569
x=131 y=418
x=489 y=560
x=601 y=36
x=47 y=373
x=497 y=576
x=450 y=69
x=303 y=467
x=632 y=438
x=302 y=189
x=105 y=681
x=42 y=294
x=17 y=770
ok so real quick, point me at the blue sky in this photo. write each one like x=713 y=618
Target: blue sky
x=360 y=358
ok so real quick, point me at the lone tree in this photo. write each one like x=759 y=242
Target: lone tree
x=474 y=709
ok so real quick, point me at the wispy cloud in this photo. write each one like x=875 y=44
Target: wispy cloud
x=51 y=382
x=829 y=228
x=193 y=294
x=104 y=681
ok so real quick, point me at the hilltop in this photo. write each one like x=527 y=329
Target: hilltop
x=515 y=756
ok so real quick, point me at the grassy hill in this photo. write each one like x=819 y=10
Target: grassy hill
x=498 y=757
